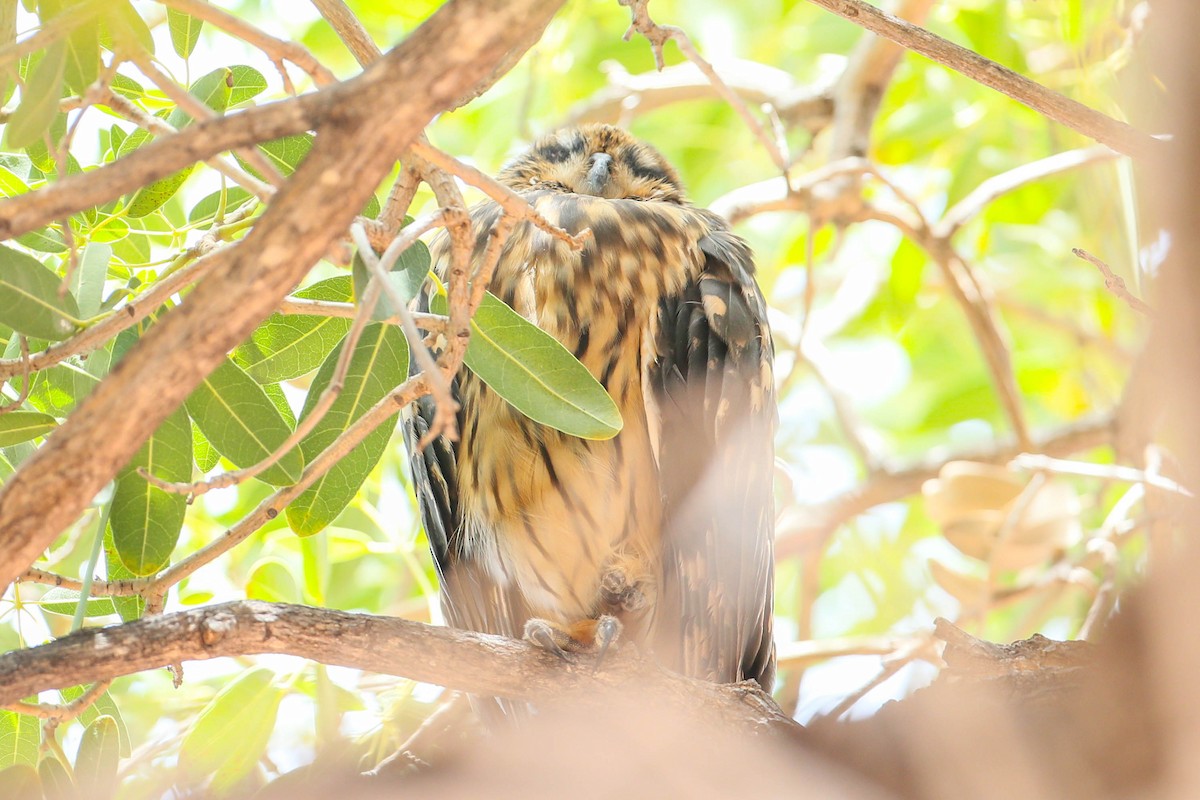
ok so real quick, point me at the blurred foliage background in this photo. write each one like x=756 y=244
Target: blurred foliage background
x=889 y=385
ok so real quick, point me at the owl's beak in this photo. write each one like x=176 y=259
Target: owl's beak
x=598 y=174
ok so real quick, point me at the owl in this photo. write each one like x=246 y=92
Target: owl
x=663 y=534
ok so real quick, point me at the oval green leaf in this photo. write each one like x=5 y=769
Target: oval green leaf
x=205 y=454
x=287 y=346
x=378 y=365
x=536 y=375
x=64 y=601
x=185 y=31
x=21 y=426
x=29 y=299
x=211 y=204
x=98 y=757
x=20 y=738
x=271 y=580
x=240 y=421
x=408 y=275
x=104 y=705
x=39 y=99
x=56 y=781
x=129 y=608
x=230 y=735
x=146 y=520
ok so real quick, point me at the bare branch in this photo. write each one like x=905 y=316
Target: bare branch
x=471 y=662
x=1115 y=283
x=1091 y=123
x=248 y=280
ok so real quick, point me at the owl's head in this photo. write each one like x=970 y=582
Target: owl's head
x=598 y=160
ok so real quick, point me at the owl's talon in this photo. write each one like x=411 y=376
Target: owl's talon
x=544 y=635
x=608 y=628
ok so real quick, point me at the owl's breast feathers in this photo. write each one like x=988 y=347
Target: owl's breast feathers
x=661 y=306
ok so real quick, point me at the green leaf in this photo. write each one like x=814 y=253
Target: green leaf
x=128 y=88
x=83 y=44
x=185 y=31
x=146 y=520
x=11 y=184
x=97 y=759
x=56 y=781
x=20 y=738
x=64 y=602
x=21 y=426
x=378 y=365
x=408 y=275
x=245 y=83
x=128 y=30
x=90 y=278
x=230 y=735
x=211 y=204
x=29 y=299
x=280 y=400
x=287 y=346
x=206 y=455
x=236 y=416
x=104 y=705
x=533 y=371
x=44 y=240
x=39 y=99
x=272 y=580
x=130 y=608
x=20 y=780
x=285 y=153
x=57 y=390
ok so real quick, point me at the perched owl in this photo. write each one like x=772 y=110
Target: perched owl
x=663 y=533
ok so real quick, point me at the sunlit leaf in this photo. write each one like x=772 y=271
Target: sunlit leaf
x=20 y=737
x=537 y=375
x=104 y=705
x=209 y=205
x=29 y=298
x=185 y=31
x=240 y=421
x=39 y=99
x=56 y=781
x=145 y=519
x=408 y=275
x=230 y=735
x=378 y=365
x=272 y=580
x=287 y=346
x=64 y=602
x=90 y=278
x=21 y=426
x=98 y=757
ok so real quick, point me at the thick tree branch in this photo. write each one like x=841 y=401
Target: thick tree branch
x=358 y=142
x=1075 y=115
x=467 y=661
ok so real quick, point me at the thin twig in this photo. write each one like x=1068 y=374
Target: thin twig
x=1115 y=283
x=65 y=712
x=1112 y=472
x=658 y=35
x=276 y=49
x=23 y=395
x=199 y=111
x=435 y=323
x=350 y=30
x=1050 y=104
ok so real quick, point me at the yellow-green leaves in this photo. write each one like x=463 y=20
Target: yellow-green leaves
x=185 y=31
x=97 y=759
x=39 y=99
x=537 y=375
x=378 y=365
x=287 y=346
x=29 y=298
x=240 y=421
x=21 y=426
x=231 y=733
x=145 y=519
x=20 y=738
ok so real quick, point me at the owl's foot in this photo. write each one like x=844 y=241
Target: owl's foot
x=586 y=636
x=618 y=592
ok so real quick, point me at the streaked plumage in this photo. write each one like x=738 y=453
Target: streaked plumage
x=669 y=525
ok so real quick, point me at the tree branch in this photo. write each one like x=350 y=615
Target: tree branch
x=1050 y=104
x=472 y=662
x=357 y=144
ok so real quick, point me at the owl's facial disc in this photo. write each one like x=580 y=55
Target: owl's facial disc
x=597 y=160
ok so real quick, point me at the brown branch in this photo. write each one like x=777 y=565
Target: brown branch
x=352 y=153
x=349 y=30
x=330 y=308
x=1115 y=283
x=276 y=49
x=466 y=661
x=1050 y=104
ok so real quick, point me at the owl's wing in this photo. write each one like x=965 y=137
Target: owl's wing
x=471 y=599
x=710 y=385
